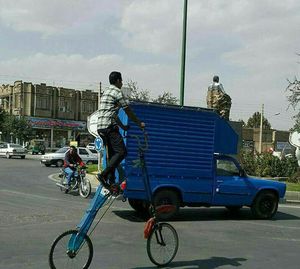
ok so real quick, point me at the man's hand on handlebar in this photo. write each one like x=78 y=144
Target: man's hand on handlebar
x=142 y=125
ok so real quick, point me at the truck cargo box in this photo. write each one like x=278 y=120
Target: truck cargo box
x=182 y=140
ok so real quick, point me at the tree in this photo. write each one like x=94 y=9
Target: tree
x=136 y=93
x=243 y=123
x=19 y=127
x=166 y=98
x=294 y=97
x=254 y=121
x=144 y=95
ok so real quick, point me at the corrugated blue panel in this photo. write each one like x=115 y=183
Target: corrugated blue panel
x=181 y=140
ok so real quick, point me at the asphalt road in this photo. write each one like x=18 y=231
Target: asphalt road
x=34 y=212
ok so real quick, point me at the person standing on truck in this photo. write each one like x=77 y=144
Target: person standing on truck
x=108 y=125
x=217 y=99
x=70 y=162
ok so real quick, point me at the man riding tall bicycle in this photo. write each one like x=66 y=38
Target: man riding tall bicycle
x=108 y=128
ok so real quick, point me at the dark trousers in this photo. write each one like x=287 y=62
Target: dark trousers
x=116 y=151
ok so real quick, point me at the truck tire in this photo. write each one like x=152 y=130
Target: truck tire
x=139 y=206
x=265 y=205
x=167 y=197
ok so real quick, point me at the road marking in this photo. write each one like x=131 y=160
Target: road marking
x=268 y=225
x=34 y=195
x=289 y=206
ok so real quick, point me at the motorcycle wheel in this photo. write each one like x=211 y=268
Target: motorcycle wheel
x=85 y=188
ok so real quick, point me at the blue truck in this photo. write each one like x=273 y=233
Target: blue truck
x=189 y=163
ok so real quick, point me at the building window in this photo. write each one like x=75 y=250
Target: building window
x=64 y=105
x=87 y=107
x=42 y=102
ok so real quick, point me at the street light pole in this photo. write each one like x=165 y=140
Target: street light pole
x=183 y=53
x=261 y=128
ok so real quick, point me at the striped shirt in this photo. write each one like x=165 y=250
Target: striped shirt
x=111 y=102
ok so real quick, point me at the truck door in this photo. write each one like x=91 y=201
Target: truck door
x=230 y=187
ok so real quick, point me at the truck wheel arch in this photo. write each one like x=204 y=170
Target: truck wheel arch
x=265 y=204
x=166 y=195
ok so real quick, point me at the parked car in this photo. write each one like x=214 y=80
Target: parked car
x=91 y=146
x=57 y=158
x=11 y=150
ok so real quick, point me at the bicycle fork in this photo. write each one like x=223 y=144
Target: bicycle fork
x=76 y=240
x=159 y=237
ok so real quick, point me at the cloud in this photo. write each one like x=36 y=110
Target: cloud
x=79 y=72
x=252 y=45
x=48 y=17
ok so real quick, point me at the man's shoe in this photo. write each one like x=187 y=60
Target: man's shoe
x=115 y=189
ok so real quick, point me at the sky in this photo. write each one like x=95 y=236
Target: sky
x=253 y=46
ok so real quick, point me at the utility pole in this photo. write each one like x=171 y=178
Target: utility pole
x=99 y=94
x=183 y=52
x=261 y=127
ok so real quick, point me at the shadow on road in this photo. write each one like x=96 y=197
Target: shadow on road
x=203 y=214
x=211 y=263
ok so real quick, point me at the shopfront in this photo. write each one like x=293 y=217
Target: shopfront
x=55 y=132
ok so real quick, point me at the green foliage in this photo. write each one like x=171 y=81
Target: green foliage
x=166 y=98
x=18 y=127
x=254 y=121
x=267 y=165
x=293 y=97
x=295 y=178
x=144 y=95
x=136 y=93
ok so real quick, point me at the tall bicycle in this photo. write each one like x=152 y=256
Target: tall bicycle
x=162 y=238
x=74 y=248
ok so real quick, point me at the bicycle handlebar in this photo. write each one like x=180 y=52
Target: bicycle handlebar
x=142 y=145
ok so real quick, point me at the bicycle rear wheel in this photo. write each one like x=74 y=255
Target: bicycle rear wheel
x=162 y=244
x=62 y=258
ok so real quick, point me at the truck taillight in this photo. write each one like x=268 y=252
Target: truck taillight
x=123 y=185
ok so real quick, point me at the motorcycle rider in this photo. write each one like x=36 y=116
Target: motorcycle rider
x=71 y=160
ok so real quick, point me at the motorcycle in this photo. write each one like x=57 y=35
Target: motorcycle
x=78 y=182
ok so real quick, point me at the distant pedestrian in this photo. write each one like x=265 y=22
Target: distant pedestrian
x=217 y=99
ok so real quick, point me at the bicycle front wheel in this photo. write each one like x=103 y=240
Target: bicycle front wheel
x=162 y=244
x=60 y=257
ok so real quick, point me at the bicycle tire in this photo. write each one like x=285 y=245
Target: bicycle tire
x=85 y=188
x=162 y=253
x=60 y=259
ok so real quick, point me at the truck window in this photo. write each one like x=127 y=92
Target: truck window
x=227 y=168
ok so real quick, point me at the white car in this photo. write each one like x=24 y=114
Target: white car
x=11 y=150
x=57 y=158
x=90 y=146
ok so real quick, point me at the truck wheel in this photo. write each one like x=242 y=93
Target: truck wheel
x=265 y=205
x=167 y=197
x=139 y=206
x=59 y=163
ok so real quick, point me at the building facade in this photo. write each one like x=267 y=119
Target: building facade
x=272 y=140
x=58 y=115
